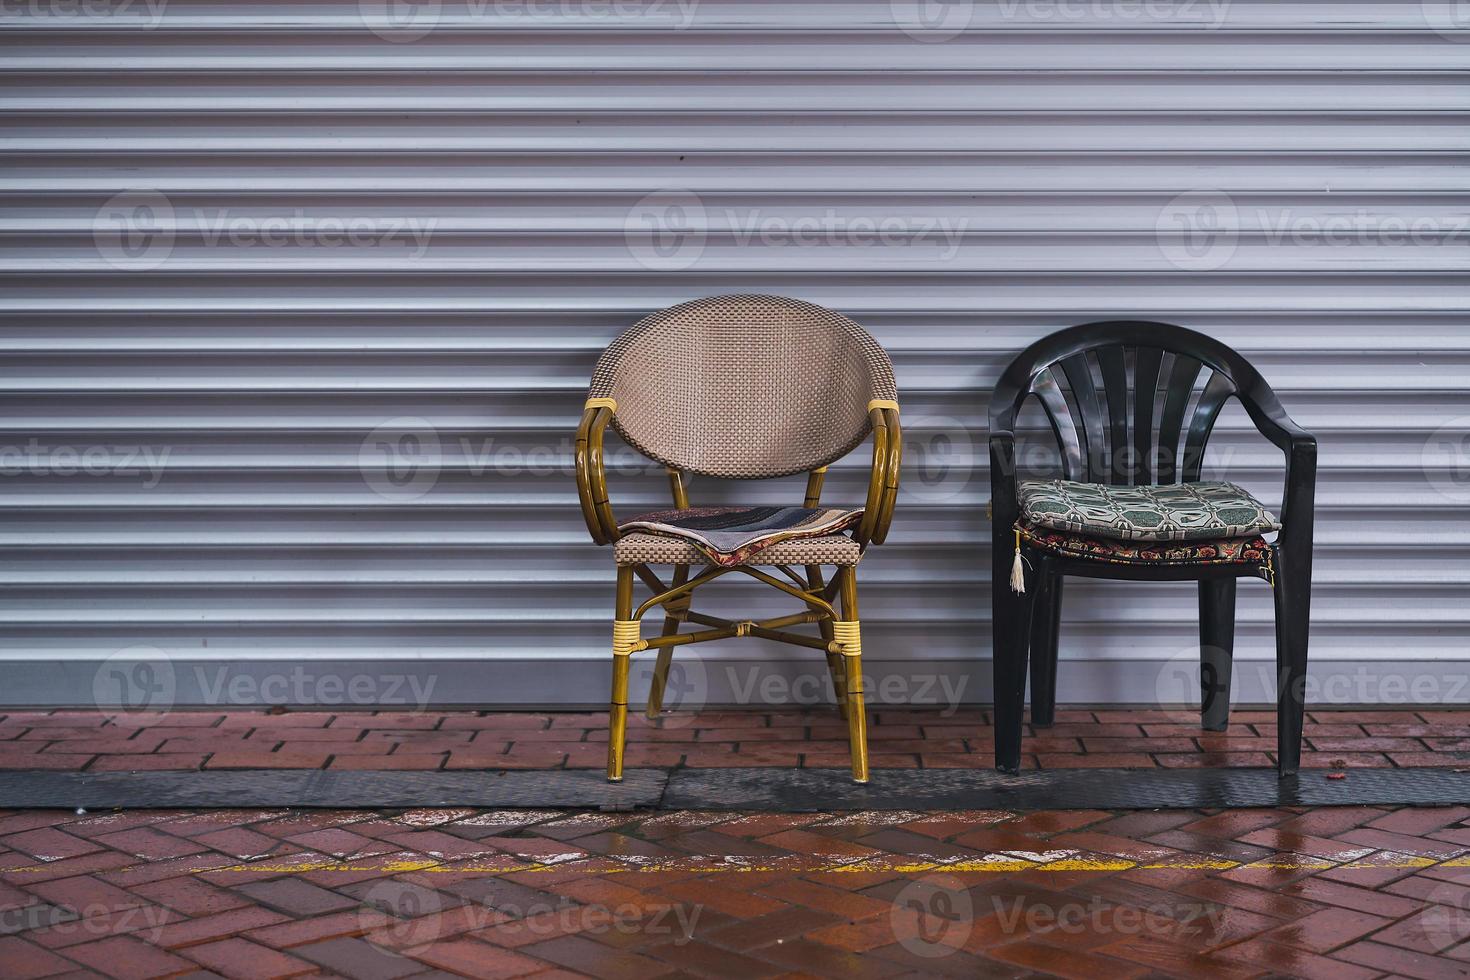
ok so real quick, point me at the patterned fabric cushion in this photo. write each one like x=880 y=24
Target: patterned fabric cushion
x=1221 y=551
x=729 y=536
x=654 y=549
x=1181 y=512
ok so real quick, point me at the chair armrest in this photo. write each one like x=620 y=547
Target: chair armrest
x=591 y=475
x=1298 y=498
x=1272 y=422
x=1004 y=505
x=1300 y=449
x=884 y=478
x=1005 y=510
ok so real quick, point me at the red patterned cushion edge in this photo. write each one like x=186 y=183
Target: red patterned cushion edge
x=1222 y=551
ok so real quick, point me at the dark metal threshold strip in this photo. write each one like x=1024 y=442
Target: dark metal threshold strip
x=232 y=789
x=788 y=790
x=767 y=789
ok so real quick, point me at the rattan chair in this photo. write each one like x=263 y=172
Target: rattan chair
x=742 y=387
x=1132 y=405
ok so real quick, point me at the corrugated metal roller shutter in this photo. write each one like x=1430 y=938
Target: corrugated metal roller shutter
x=245 y=246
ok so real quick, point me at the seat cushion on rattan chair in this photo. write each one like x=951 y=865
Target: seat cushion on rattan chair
x=1178 y=512
x=1251 y=551
x=654 y=549
x=731 y=536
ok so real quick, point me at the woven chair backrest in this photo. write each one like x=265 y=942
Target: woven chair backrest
x=744 y=387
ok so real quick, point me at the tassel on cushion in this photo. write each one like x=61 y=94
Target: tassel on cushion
x=1018 y=572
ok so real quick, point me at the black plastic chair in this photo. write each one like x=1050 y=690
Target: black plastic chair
x=1085 y=378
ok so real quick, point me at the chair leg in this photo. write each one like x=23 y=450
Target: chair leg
x=837 y=670
x=1008 y=660
x=665 y=659
x=625 y=638
x=1216 y=651
x=834 y=660
x=1293 y=612
x=1046 y=621
x=849 y=634
x=660 y=678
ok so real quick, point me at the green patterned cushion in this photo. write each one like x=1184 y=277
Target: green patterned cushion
x=1181 y=512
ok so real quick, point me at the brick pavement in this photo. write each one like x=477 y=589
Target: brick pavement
x=899 y=738
x=1348 y=892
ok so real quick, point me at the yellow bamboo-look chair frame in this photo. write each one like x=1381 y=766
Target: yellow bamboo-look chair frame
x=831 y=606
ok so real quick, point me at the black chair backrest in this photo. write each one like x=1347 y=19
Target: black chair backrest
x=1131 y=402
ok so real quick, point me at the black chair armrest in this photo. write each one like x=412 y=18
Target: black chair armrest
x=1004 y=507
x=1300 y=449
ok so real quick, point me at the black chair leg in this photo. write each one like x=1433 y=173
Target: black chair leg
x=1046 y=614
x=1293 y=610
x=1008 y=624
x=1217 y=648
